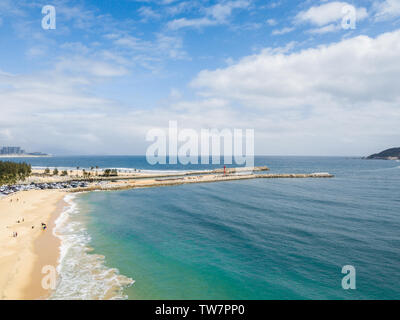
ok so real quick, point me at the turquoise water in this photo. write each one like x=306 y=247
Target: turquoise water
x=255 y=239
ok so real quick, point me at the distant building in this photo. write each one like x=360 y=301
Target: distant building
x=11 y=150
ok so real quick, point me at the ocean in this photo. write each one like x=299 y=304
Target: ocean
x=253 y=239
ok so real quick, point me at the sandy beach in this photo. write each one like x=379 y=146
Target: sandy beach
x=22 y=257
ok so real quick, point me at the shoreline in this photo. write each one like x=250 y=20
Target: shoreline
x=21 y=257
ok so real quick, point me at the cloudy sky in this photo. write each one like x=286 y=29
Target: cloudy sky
x=112 y=70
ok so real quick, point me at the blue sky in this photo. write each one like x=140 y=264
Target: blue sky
x=112 y=70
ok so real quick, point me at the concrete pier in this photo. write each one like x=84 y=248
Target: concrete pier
x=160 y=181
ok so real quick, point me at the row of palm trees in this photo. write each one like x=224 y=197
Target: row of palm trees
x=11 y=172
x=106 y=172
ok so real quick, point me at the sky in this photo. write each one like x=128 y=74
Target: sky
x=307 y=78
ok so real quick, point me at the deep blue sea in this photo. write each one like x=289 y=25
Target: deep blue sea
x=254 y=239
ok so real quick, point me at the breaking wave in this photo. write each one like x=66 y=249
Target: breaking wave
x=82 y=275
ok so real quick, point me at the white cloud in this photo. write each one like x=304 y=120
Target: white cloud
x=282 y=31
x=327 y=13
x=335 y=92
x=215 y=15
x=148 y=13
x=79 y=16
x=84 y=66
x=197 y=23
x=180 y=7
x=143 y=51
x=222 y=11
x=171 y=46
x=55 y=111
x=347 y=70
x=341 y=98
x=325 y=29
x=387 y=9
x=274 y=4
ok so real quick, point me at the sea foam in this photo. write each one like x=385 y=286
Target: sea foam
x=81 y=274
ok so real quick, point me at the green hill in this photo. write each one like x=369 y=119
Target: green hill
x=389 y=154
